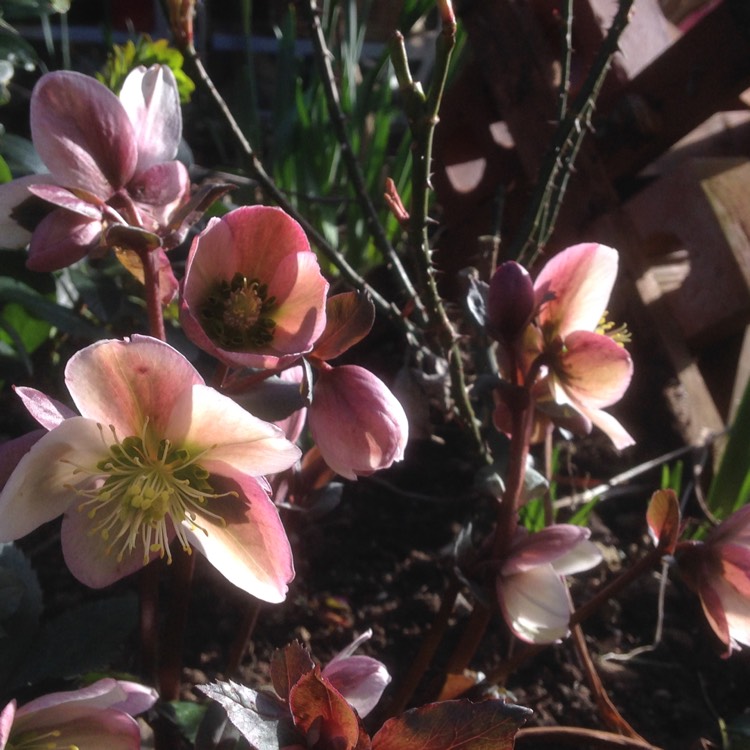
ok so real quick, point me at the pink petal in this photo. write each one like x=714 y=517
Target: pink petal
x=40 y=488
x=204 y=420
x=152 y=102
x=251 y=548
x=125 y=383
x=535 y=604
x=104 y=693
x=373 y=433
x=735 y=528
x=542 y=547
x=300 y=291
x=736 y=606
x=6 y=723
x=161 y=185
x=735 y=561
x=82 y=133
x=62 y=238
x=581 y=279
x=12 y=451
x=594 y=370
x=63 y=198
x=47 y=411
x=584 y=556
x=94 y=730
x=360 y=679
x=713 y=609
x=86 y=554
x=619 y=436
x=12 y=195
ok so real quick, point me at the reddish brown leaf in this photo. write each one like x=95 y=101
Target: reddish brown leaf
x=288 y=665
x=349 y=318
x=323 y=716
x=453 y=725
x=663 y=518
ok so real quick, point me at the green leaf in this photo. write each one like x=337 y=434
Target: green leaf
x=730 y=488
x=82 y=639
x=5 y=173
x=47 y=310
x=20 y=609
x=188 y=716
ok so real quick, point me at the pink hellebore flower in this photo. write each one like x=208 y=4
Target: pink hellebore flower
x=97 y=716
x=110 y=160
x=361 y=680
x=156 y=455
x=588 y=368
x=357 y=423
x=530 y=587
x=253 y=294
x=718 y=570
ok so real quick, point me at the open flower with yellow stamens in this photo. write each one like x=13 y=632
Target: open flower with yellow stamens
x=253 y=294
x=156 y=459
x=577 y=359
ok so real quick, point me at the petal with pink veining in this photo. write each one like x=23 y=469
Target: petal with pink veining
x=584 y=556
x=109 y=729
x=152 y=103
x=619 y=436
x=64 y=198
x=205 y=420
x=82 y=133
x=161 y=185
x=594 y=369
x=62 y=238
x=250 y=548
x=581 y=279
x=86 y=553
x=41 y=487
x=6 y=722
x=535 y=604
x=124 y=383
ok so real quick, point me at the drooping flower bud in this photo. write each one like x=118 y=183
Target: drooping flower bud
x=510 y=302
x=356 y=422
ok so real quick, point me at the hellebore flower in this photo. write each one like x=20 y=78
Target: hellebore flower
x=357 y=423
x=361 y=680
x=253 y=294
x=110 y=160
x=718 y=570
x=587 y=368
x=97 y=716
x=530 y=588
x=156 y=456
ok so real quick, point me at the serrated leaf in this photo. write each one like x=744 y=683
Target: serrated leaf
x=450 y=725
x=317 y=705
x=82 y=639
x=259 y=717
x=288 y=665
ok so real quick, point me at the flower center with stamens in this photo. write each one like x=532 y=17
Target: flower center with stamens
x=619 y=334
x=39 y=740
x=143 y=496
x=235 y=314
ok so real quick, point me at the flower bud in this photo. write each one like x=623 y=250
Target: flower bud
x=356 y=422
x=510 y=301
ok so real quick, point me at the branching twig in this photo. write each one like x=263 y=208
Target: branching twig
x=323 y=60
x=558 y=164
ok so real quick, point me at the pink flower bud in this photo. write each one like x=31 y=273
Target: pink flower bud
x=510 y=301
x=356 y=422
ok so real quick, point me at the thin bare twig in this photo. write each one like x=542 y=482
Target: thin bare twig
x=323 y=60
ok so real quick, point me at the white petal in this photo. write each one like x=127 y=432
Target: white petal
x=535 y=604
x=41 y=487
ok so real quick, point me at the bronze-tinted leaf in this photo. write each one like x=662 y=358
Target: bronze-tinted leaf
x=663 y=518
x=288 y=665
